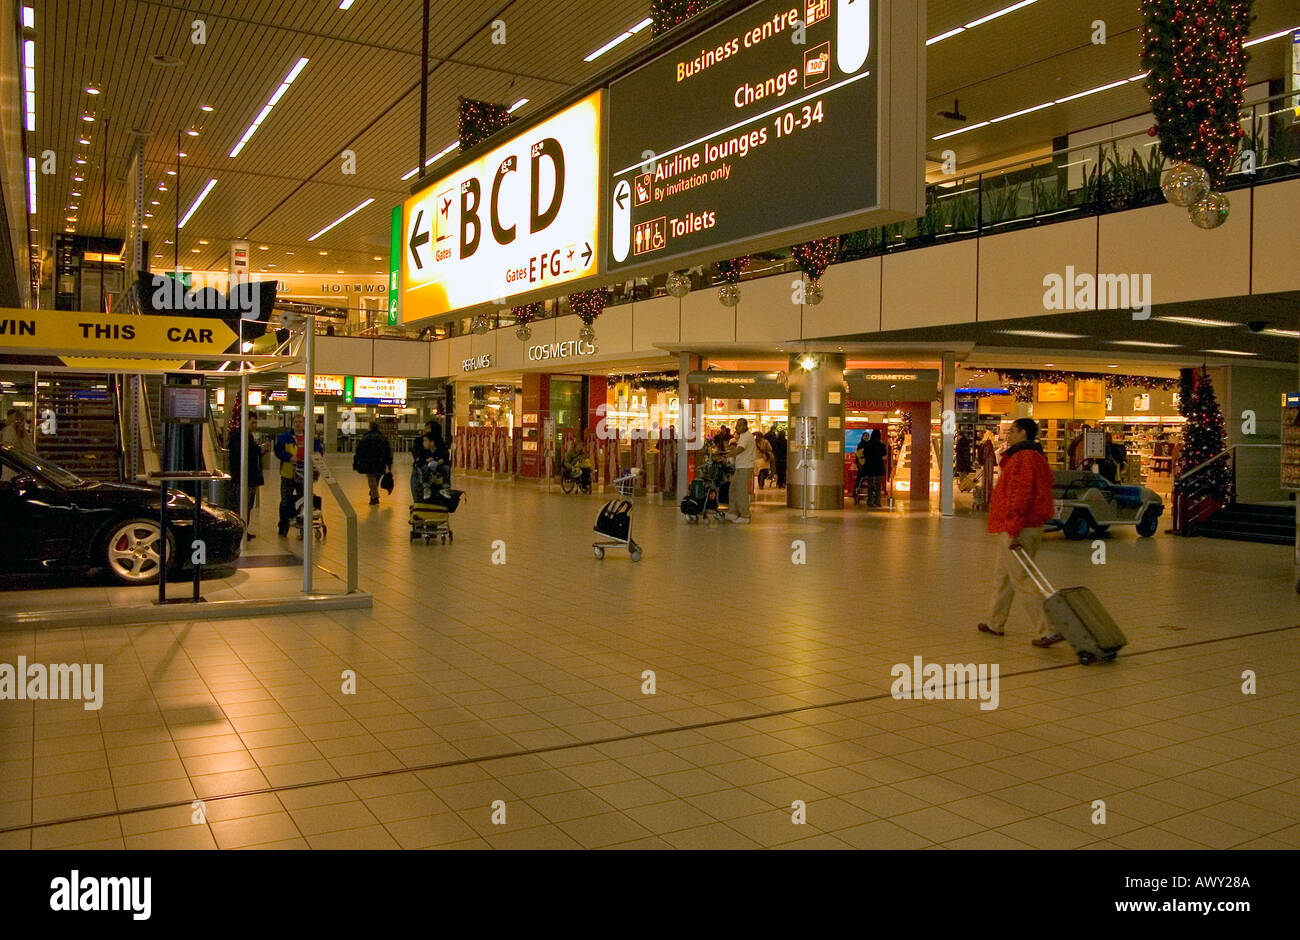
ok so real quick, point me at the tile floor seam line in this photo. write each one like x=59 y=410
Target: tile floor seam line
x=572 y=745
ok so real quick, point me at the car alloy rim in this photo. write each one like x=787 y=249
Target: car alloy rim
x=133 y=551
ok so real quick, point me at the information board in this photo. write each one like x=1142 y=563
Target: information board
x=378 y=390
x=762 y=125
x=519 y=219
x=325 y=386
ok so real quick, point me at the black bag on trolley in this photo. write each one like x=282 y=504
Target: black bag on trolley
x=615 y=519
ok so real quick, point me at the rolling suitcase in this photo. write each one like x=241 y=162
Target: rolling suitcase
x=1077 y=615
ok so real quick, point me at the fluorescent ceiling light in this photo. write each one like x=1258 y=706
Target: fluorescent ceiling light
x=621 y=37
x=979 y=22
x=942 y=36
x=1293 y=334
x=1014 y=114
x=1093 y=91
x=31 y=185
x=961 y=130
x=1043 y=334
x=995 y=14
x=437 y=156
x=346 y=4
x=1142 y=342
x=342 y=218
x=1039 y=107
x=1228 y=352
x=195 y=205
x=29 y=18
x=1198 y=321
x=1277 y=35
x=29 y=81
x=517 y=105
x=279 y=93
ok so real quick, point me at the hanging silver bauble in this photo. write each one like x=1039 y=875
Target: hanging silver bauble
x=524 y=332
x=678 y=284
x=587 y=334
x=1185 y=185
x=480 y=325
x=1210 y=212
x=729 y=294
x=813 y=293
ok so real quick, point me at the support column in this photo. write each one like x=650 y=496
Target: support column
x=948 y=430
x=331 y=444
x=817 y=393
x=920 y=451
x=687 y=431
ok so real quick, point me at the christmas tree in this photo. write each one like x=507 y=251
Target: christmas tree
x=1203 y=438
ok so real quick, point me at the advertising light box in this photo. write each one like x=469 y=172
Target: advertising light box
x=378 y=390
x=767 y=132
x=521 y=218
x=326 y=386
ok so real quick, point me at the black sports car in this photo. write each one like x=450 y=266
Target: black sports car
x=52 y=519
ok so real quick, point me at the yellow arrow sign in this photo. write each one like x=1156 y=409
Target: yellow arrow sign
x=66 y=331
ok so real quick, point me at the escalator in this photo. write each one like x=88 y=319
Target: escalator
x=77 y=425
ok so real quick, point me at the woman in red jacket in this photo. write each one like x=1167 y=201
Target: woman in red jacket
x=1022 y=502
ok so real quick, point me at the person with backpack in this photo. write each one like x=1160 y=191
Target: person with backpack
x=1021 y=504
x=373 y=458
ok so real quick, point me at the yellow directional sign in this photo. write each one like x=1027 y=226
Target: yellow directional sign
x=70 y=331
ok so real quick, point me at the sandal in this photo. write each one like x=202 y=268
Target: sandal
x=1046 y=641
x=985 y=628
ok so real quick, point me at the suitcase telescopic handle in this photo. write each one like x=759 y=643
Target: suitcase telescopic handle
x=1035 y=575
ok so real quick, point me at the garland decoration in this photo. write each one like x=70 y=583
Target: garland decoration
x=813 y=258
x=1195 y=54
x=731 y=269
x=588 y=304
x=665 y=14
x=524 y=315
x=479 y=120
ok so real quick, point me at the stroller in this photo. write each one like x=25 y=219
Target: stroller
x=701 y=501
x=318 y=528
x=433 y=502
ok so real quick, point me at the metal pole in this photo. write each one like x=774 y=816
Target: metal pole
x=162 y=516
x=308 y=450
x=424 y=85
x=103 y=218
x=685 y=433
x=176 y=222
x=243 y=443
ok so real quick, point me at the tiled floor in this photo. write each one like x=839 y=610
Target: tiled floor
x=515 y=691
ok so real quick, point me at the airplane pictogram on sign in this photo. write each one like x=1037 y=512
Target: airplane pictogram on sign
x=443 y=216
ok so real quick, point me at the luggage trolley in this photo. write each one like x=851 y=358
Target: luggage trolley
x=615 y=519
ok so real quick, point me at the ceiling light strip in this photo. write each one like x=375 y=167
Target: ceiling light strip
x=342 y=218
x=266 y=111
x=1135 y=78
x=979 y=22
x=31 y=185
x=29 y=81
x=621 y=37
x=197 y=202
x=437 y=156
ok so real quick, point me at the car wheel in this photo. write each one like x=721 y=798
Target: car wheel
x=131 y=551
x=1149 y=524
x=1078 y=525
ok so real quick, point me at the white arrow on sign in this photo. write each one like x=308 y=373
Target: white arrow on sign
x=621 y=224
